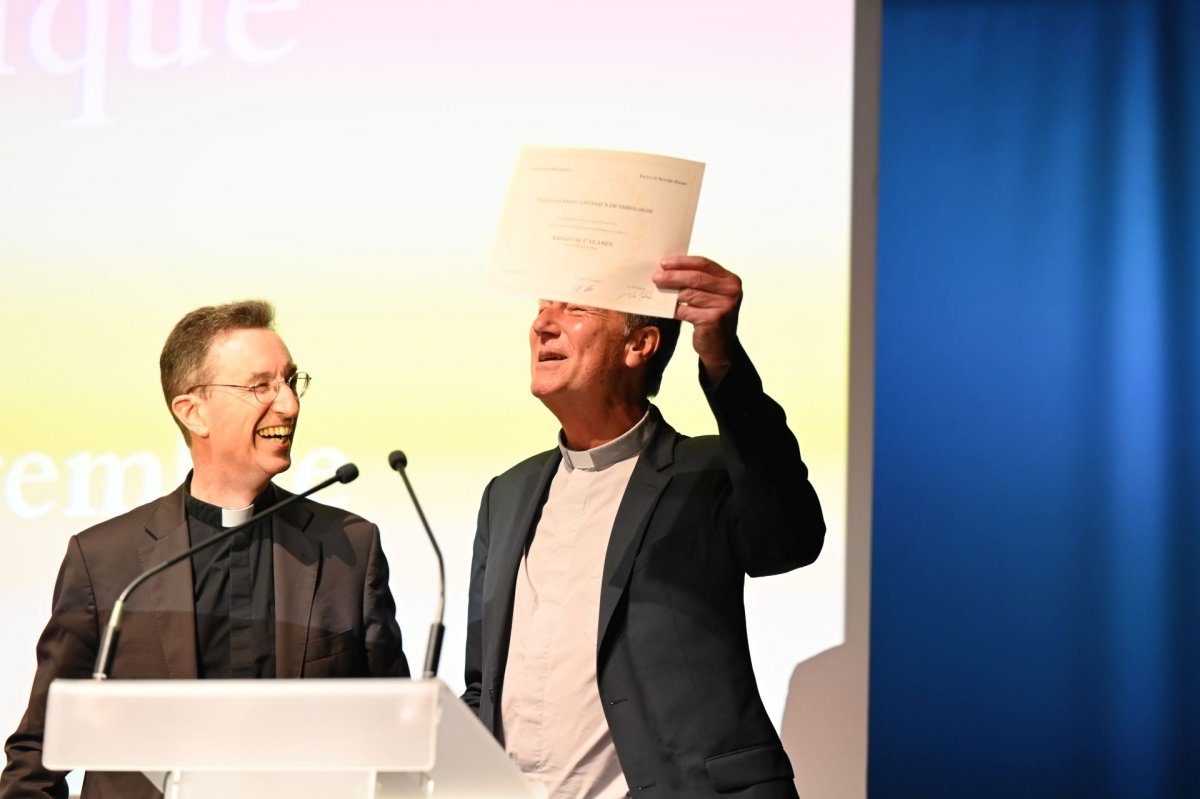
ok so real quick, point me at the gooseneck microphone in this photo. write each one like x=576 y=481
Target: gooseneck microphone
x=108 y=645
x=433 y=650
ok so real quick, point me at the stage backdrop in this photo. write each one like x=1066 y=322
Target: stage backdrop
x=348 y=162
x=1037 y=567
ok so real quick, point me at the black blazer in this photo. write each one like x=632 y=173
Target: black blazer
x=673 y=662
x=335 y=617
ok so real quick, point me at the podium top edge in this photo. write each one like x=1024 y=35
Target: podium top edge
x=359 y=686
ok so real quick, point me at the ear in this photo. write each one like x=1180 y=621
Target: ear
x=641 y=346
x=192 y=413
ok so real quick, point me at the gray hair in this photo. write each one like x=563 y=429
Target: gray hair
x=668 y=334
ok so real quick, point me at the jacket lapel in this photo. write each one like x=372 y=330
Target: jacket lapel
x=296 y=557
x=506 y=560
x=650 y=476
x=170 y=594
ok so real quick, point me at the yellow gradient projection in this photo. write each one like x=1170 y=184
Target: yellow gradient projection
x=348 y=162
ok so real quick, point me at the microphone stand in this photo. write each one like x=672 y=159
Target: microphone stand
x=433 y=649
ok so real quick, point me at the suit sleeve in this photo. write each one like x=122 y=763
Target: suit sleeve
x=385 y=652
x=771 y=513
x=473 y=666
x=67 y=649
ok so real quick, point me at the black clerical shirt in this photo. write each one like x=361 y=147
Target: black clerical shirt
x=234 y=592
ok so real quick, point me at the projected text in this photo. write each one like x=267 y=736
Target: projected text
x=72 y=39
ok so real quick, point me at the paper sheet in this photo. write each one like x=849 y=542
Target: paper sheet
x=590 y=227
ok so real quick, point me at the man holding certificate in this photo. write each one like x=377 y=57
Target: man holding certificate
x=606 y=642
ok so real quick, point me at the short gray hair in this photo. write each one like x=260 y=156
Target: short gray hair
x=668 y=335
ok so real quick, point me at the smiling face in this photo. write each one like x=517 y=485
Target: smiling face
x=576 y=350
x=589 y=368
x=244 y=442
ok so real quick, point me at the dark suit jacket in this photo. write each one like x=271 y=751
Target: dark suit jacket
x=673 y=663
x=335 y=617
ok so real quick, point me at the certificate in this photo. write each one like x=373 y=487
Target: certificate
x=590 y=227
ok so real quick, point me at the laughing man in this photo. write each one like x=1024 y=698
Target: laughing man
x=303 y=593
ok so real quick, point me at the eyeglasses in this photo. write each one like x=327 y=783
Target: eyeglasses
x=266 y=392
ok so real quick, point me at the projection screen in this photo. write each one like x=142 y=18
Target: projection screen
x=348 y=162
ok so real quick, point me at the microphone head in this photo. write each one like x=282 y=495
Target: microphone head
x=397 y=460
x=346 y=473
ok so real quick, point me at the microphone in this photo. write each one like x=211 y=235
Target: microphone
x=433 y=650
x=108 y=645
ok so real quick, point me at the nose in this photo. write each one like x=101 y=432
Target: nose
x=286 y=402
x=547 y=317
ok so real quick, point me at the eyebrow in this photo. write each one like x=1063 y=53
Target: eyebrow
x=266 y=376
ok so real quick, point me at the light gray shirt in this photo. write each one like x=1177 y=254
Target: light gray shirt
x=554 y=724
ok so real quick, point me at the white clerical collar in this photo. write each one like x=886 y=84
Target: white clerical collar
x=232 y=518
x=627 y=445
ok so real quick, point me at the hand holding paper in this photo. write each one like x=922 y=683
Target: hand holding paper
x=709 y=297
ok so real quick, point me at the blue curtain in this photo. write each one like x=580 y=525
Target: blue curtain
x=1036 y=578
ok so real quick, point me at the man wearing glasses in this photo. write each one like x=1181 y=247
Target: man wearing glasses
x=303 y=593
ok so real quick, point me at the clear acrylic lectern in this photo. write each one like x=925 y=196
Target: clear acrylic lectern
x=301 y=739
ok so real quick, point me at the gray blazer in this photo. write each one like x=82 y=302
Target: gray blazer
x=672 y=658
